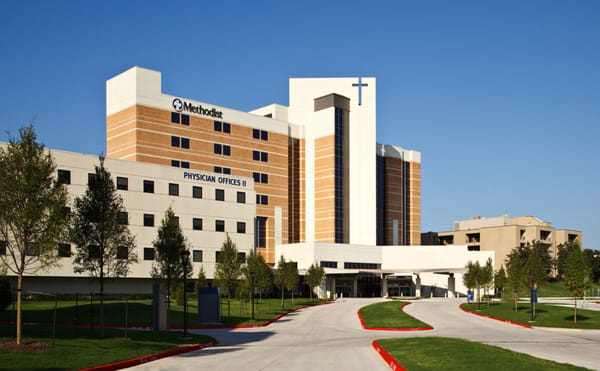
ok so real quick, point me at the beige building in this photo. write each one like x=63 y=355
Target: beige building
x=502 y=234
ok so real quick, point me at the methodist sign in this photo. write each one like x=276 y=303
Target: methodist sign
x=180 y=105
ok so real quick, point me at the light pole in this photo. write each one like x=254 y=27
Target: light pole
x=185 y=254
x=252 y=274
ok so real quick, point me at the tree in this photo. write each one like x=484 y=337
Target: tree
x=576 y=275
x=564 y=249
x=263 y=279
x=228 y=267
x=593 y=258
x=477 y=276
x=169 y=246
x=514 y=268
x=500 y=280
x=292 y=278
x=201 y=281
x=487 y=279
x=534 y=275
x=34 y=217
x=314 y=277
x=280 y=277
x=104 y=245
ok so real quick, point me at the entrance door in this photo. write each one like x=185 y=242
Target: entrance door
x=369 y=286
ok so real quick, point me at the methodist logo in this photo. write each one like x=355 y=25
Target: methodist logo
x=179 y=106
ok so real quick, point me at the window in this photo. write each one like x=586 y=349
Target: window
x=226 y=170
x=255 y=133
x=226 y=127
x=196 y=192
x=122 y=183
x=256 y=155
x=32 y=249
x=226 y=150
x=123 y=218
x=185 y=143
x=218 y=169
x=220 y=225
x=352 y=265
x=473 y=248
x=217 y=256
x=180 y=142
x=218 y=149
x=148 y=220
x=122 y=252
x=173 y=189
x=544 y=235
x=197 y=224
x=328 y=264
x=241 y=227
x=92 y=178
x=260 y=235
x=241 y=197
x=260 y=177
x=185 y=164
x=64 y=250
x=148 y=186
x=64 y=176
x=148 y=253
x=218 y=126
x=264 y=200
x=222 y=149
x=185 y=119
x=3 y=247
x=93 y=251
x=196 y=256
x=175 y=163
x=220 y=194
x=264 y=157
x=175 y=117
x=241 y=257
x=260 y=134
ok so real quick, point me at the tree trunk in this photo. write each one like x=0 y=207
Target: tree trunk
x=19 y=306
x=101 y=303
x=282 y=293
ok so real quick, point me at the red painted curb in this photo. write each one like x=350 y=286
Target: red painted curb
x=149 y=358
x=495 y=318
x=362 y=323
x=394 y=365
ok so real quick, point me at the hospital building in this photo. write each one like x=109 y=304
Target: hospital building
x=307 y=181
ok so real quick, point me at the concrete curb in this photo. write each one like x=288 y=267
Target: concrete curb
x=495 y=318
x=394 y=365
x=149 y=358
x=362 y=323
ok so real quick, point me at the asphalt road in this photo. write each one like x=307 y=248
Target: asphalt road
x=330 y=337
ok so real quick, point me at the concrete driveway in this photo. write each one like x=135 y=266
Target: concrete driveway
x=330 y=337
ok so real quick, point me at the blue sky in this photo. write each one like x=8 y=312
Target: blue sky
x=502 y=98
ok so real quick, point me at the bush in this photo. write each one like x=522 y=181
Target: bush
x=178 y=295
x=5 y=293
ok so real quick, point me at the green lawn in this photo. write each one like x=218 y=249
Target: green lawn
x=546 y=315
x=74 y=350
x=389 y=315
x=551 y=289
x=435 y=353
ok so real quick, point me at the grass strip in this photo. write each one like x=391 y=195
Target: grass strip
x=547 y=315
x=438 y=353
x=73 y=352
x=389 y=314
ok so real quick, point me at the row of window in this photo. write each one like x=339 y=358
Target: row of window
x=181 y=164
x=197 y=223
x=222 y=170
x=197 y=255
x=350 y=265
x=64 y=250
x=260 y=177
x=222 y=149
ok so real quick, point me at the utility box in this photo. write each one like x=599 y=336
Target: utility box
x=159 y=308
x=209 y=305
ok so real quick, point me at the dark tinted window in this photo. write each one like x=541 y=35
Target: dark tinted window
x=175 y=141
x=197 y=224
x=197 y=255
x=64 y=176
x=148 y=220
x=185 y=119
x=175 y=117
x=196 y=192
x=64 y=250
x=220 y=194
x=173 y=189
x=241 y=197
x=148 y=253
x=185 y=143
x=148 y=186
x=220 y=225
x=122 y=183
x=241 y=227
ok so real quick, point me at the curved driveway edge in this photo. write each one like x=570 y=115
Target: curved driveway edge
x=495 y=318
x=394 y=365
x=149 y=358
x=362 y=323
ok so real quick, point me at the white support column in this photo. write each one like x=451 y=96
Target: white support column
x=418 y=286
x=451 y=286
x=355 y=287
x=384 y=286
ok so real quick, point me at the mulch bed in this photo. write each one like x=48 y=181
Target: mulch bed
x=27 y=346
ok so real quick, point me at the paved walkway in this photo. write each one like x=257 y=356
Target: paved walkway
x=330 y=337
